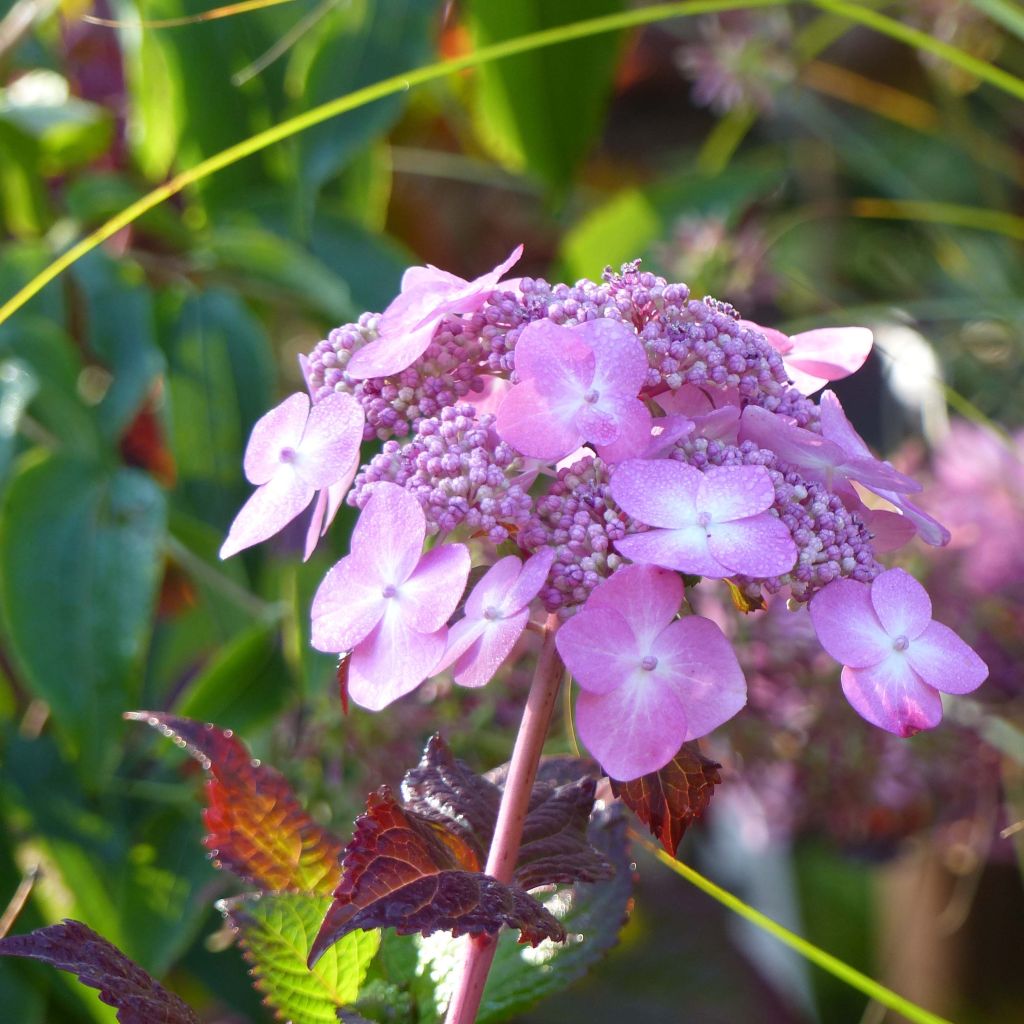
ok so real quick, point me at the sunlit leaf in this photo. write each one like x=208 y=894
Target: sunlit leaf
x=257 y=828
x=71 y=946
x=276 y=931
x=667 y=801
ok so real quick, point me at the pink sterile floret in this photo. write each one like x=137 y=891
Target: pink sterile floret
x=650 y=682
x=836 y=428
x=813 y=358
x=407 y=326
x=497 y=611
x=712 y=524
x=895 y=658
x=387 y=604
x=293 y=452
x=577 y=384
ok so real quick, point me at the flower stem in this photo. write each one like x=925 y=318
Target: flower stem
x=508 y=831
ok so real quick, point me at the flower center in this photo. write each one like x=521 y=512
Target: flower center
x=649 y=662
x=704 y=519
x=288 y=454
x=389 y=591
x=591 y=396
x=901 y=643
x=492 y=612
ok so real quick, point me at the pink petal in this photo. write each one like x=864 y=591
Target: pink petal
x=782 y=343
x=599 y=648
x=805 y=383
x=634 y=729
x=463 y=636
x=390 y=354
x=944 y=661
x=734 y=492
x=388 y=537
x=836 y=427
x=847 y=626
x=328 y=502
x=790 y=443
x=526 y=422
x=392 y=661
x=892 y=696
x=494 y=586
x=634 y=437
x=901 y=604
x=621 y=365
x=647 y=597
x=430 y=595
x=531 y=579
x=759 y=546
x=889 y=530
x=665 y=432
x=719 y=425
x=556 y=360
x=598 y=423
x=274 y=430
x=698 y=663
x=478 y=664
x=269 y=509
x=346 y=608
x=329 y=450
x=685 y=550
x=930 y=530
x=830 y=352
x=658 y=492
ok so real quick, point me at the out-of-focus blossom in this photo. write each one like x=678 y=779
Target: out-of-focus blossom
x=293 y=452
x=387 y=602
x=650 y=681
x=895 y=659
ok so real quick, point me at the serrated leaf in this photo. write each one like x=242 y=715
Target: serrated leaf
x=80 y=560
x=667 y=801
x=592 y=915
x=276 y=931
x=405 y=872
x=72 y=946
x=257 y=828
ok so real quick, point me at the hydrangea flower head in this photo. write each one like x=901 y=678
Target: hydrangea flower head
x=497 y=611
x=293 y=452
x=650 y=682
x=895 y=659
x=813 y=358
x=407 y=326
x=712 y=524
x=387 y=602
x=577 y=384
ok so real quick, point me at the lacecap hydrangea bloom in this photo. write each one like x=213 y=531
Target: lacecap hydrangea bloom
x=597 y=450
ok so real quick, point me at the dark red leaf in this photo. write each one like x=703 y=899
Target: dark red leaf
x=405 y=872
x=257 y=828
x=144 y=445
x=668 y=801
x=71 y=946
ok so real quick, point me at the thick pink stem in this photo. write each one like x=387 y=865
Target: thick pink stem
x=508 y=831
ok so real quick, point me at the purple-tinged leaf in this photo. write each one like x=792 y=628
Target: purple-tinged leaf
x=72 y=946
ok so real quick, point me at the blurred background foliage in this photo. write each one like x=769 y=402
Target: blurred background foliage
x=806 y=169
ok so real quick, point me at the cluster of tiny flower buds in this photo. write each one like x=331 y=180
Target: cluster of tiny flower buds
x=617 y=435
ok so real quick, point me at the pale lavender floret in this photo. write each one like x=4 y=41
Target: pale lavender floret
x=460 y=472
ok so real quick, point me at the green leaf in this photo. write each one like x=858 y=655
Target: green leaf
x=359 y=43
x=23 y=203
x=80 y=561
x=540 y=112
x=276 y=931
x=120 y=325
x=1007 y=12
x=18 y=386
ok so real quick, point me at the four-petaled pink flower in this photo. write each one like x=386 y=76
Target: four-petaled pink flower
x=650 y=682
x=813 y=358
x=712 y=524
x=895 y=658
x=497 y=611
x=577 y=384
x=387 y=604
x=293 y=452
x=407 y=326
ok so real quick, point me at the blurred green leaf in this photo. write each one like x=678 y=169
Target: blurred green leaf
x=358 y=43
x=17 y=388
x=120 y=326
x=540 y=112
x=277 y=930
x=23 y=201
x=80 y=560
x=93 y=197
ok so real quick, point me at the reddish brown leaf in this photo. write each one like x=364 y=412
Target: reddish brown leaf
x=343 y=664
x=669 y=800
x=257 y=828
x=143 y=445
x=405 y=872
x=71 y=946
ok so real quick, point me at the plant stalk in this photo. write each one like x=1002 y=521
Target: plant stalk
x=508 y=831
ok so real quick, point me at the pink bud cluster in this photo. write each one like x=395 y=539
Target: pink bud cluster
x=560 y=433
